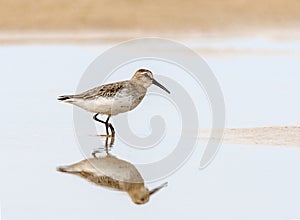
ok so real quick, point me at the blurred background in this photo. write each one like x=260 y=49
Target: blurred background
x=96 y=18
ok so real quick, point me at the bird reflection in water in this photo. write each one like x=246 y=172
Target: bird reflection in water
x=114 y=173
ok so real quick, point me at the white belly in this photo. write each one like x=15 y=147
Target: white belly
x=110 y=105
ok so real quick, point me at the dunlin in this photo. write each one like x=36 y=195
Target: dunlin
x=111 y=172
x=114 y=98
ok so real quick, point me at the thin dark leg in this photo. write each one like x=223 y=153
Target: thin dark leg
x=106 y=146
x=112 y=130
x=107 y=125
x=104 y=122
x=97 y=119
x=112 y=136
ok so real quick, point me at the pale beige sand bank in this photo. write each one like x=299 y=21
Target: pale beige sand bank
x=267 y=136
x=162 y=15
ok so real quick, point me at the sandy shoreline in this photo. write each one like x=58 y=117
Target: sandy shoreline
x=195 y=15
x=286 y=136
x=92 y=21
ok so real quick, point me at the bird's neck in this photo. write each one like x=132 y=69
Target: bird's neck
x=142 y=83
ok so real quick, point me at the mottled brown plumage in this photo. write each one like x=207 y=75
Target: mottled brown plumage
x=114 y=98
x=107 y=90
x=113 y=173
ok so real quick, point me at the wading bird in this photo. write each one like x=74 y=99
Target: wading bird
x=114 y=98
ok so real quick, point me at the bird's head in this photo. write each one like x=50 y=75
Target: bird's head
x=140 y=195
x=145 y=78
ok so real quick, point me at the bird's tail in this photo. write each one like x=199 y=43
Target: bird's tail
x=75 y=168
x=62 y=169
x=67 y=169
x=65 y=98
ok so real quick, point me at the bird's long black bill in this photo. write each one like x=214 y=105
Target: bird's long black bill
x=160 y=85
x=158 y=188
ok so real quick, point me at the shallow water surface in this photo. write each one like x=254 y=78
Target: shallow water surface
x=243 y=182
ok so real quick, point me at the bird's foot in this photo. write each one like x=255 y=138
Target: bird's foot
x=101 y=153
x=95 y=152
x=105 y=135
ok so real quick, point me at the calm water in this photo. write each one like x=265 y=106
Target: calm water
x=243 y=182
